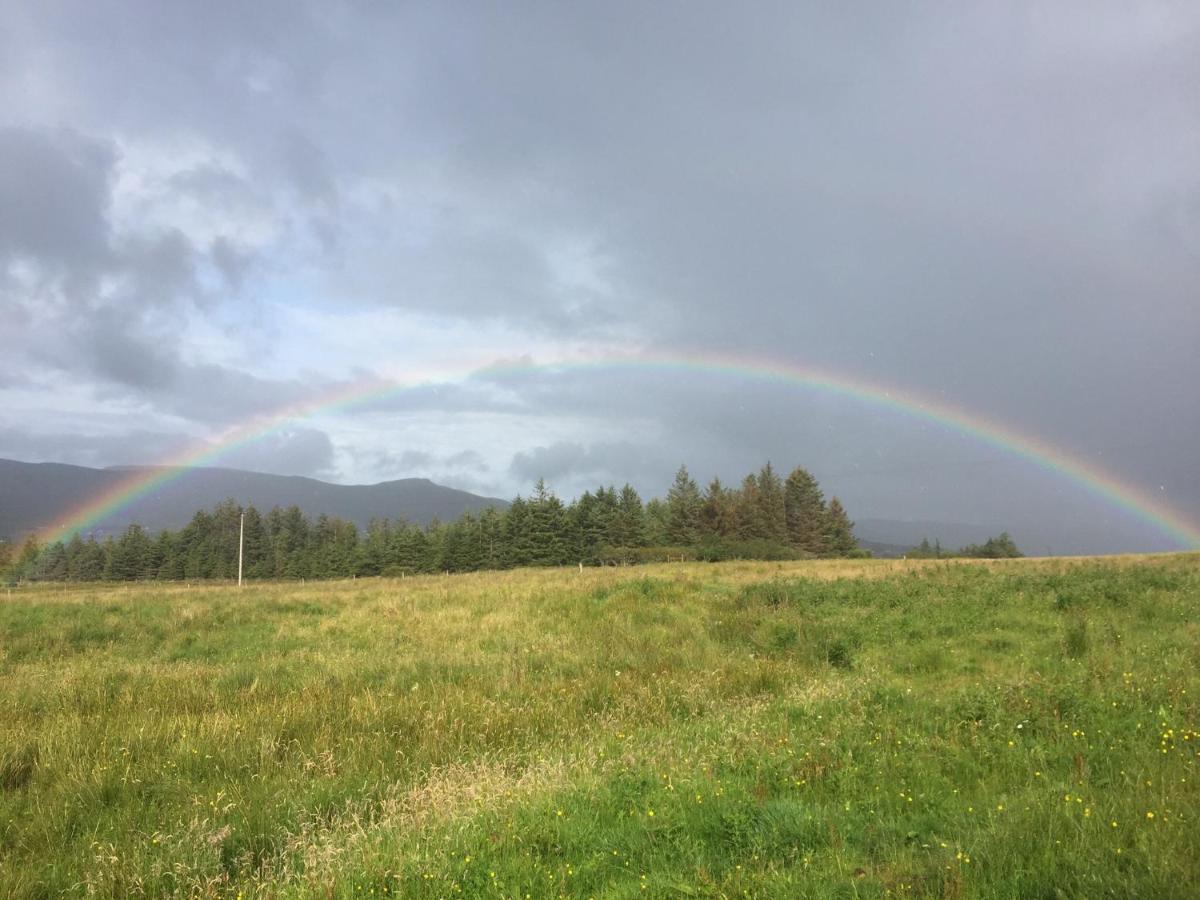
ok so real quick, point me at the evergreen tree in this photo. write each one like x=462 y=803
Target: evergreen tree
x=166 y=552
x=839 y=530
x=27 y=559
x=1001 y=547
x=657 y=522
x=491 y=539
x=51 y=563
x=583 y=532
x=683 y=510
x=221 y=546
x=804 y=507
x=463 y=551
x=546 y=526
x=518 y=550
x=750 y=522
x=628 y=527
x=435 y=546
x=290 y=543
x=256 y=550
x=75 y=550
x=718 y=512
x=410 y=550
x=131 y=556
x=88 y=564
x=342 y=554
x=771 y=505
x=373 y=558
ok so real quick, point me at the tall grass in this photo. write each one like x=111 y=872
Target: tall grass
x=852 y=729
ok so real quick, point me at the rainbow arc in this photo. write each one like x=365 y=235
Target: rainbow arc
x=1149 y=508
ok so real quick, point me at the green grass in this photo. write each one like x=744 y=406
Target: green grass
x=1017 y=729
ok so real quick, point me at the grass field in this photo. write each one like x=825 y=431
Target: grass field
x=1017 y=729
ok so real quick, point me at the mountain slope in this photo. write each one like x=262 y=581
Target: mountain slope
x=38 y=495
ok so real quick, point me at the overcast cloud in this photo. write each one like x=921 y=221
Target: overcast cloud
x=210 y=212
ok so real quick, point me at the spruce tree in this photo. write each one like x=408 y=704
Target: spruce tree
x=804 y=507
x=750 y=523
x=256 y=562
x=90 y=564
x=683 y=510
x=718 y=512
x=771 y=504
x=517 y=549
x=546 y=527
x=628 y=527
x=657 y=523
x=131 y=557
x=491 y=538
x=839 y=530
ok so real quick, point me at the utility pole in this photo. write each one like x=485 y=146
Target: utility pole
x=241 y=541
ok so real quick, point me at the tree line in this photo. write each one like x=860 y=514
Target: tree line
x=766 y=517
x=1001 y=547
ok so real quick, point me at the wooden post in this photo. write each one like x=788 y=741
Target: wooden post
x=241 y=540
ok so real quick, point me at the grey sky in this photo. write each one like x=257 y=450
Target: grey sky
x=209 y=212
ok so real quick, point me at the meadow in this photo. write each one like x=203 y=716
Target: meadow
x=1018 y=728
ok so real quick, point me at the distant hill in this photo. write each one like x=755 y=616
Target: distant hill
x=38 y=495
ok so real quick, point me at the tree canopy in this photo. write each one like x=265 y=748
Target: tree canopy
x=766 y=518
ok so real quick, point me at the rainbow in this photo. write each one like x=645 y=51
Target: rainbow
x=1140 y=504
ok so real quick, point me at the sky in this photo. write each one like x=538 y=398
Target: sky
x=213 y=211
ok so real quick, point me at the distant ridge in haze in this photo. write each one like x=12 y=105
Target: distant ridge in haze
x=34 y=496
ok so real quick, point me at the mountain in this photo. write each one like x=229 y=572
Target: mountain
x=38 y=495
x=909 y=533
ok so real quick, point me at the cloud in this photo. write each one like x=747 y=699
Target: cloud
x=54 y=196
x=294 y=451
